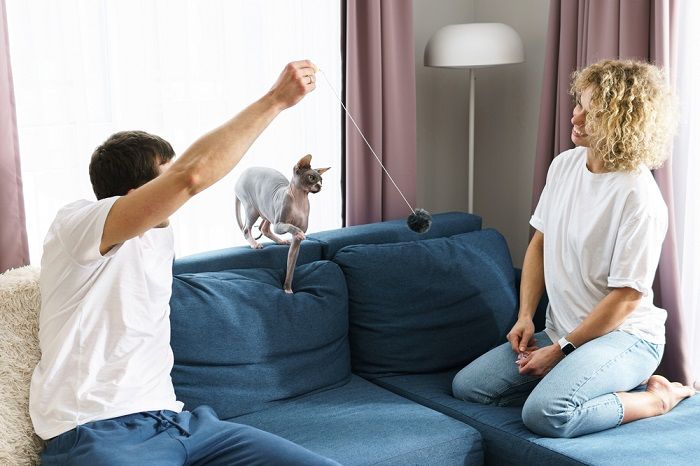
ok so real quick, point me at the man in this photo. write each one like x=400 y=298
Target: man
x=102 y=392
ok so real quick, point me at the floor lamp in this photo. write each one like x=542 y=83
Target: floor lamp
x=474 y=45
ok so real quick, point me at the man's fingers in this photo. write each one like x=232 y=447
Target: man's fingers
x=304 y=64
x=305 y=67
x=307 y=74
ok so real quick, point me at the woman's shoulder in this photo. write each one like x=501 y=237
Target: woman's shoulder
x=567 y=161
x=643 y=194
x=570 y=157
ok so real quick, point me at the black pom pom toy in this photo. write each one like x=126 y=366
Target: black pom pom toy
x=419 y=221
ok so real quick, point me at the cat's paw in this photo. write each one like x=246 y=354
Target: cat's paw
x=299 y=236
x=256 y=245
x=288 y=291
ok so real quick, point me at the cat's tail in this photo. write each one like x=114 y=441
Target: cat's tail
x=238 y=213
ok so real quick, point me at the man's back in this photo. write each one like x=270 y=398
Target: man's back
x=104 y=323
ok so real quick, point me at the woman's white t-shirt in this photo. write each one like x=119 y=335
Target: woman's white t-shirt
x=601 y=231
x=104 y=327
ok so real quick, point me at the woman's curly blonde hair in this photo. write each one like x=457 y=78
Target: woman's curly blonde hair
x=632 y=114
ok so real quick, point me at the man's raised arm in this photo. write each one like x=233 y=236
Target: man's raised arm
x=206 y=161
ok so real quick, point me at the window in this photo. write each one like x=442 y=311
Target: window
x=84 y=70
x=686 y=172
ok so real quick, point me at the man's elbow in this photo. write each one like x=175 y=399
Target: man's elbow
x=188 y=179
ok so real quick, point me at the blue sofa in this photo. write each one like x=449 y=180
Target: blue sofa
x=357 y=364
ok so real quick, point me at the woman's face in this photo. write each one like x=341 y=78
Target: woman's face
x=579 y=136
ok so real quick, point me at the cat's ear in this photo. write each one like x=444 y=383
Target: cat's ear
x=321 y=171
x=304 y=163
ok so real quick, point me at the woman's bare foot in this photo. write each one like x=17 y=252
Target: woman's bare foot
x=670 y=393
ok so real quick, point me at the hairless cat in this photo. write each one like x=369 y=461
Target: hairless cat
x=282 y=204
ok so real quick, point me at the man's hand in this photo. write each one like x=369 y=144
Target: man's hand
x=521 y=334
x=296 y=80
x=541 y=361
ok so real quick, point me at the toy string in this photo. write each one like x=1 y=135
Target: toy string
x=365 y=139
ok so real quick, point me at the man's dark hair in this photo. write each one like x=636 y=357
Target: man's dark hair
x=127 y=160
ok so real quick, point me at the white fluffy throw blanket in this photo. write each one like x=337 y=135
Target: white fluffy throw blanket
x=19 y=353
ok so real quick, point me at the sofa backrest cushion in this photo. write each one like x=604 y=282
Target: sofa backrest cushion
x=427 y=306
x=271 y=256
x=241 y=343
x=394 y=231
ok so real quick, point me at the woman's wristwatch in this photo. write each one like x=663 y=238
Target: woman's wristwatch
x=566 y=346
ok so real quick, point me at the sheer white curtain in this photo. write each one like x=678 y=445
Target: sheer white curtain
x=686 y=172
x=85 y=69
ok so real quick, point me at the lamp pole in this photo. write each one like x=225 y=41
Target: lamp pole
x=472 y=46
x=472 y=84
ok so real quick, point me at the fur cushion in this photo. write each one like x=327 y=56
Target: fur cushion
x=19 y=346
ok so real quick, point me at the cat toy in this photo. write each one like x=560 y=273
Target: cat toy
x=419 y=220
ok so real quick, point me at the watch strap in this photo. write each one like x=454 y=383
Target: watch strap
x=566 y=346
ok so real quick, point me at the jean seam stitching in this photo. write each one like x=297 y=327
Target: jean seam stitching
x=620 y=409
x=603 y=366
x=570 y=412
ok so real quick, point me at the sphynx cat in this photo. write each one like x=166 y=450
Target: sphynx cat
x=284 y=205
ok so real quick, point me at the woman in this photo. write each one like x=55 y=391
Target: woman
x=600 y=223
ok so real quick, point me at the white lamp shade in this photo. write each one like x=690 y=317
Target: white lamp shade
x=474 y=45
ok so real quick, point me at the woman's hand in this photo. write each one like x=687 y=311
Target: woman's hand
x=540 y=361
x=521 y=334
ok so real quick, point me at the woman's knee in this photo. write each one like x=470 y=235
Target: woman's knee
x=546 y=416
x=465 y=386
x=462 y=384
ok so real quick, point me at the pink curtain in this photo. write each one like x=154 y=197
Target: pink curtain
x=14 y=251
x=585 y=31
x=381 y=96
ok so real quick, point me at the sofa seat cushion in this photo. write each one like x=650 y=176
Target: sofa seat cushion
x=426 y=306
x=361 y=424
x=241 y=343
x=665 y=440
x=394 y=231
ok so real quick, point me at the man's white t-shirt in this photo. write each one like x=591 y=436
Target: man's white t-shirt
x=104 y=327
x=601 y=231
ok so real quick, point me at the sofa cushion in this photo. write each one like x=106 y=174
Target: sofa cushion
x=663 y=440
x=394 y=231
x=271 y=256
x=427 y=306
x=240 y=343
x=361 y=424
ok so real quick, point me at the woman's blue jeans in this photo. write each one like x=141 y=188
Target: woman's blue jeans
x=577 y=396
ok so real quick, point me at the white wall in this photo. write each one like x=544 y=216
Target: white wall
x=506 y=121
x=442 y=103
